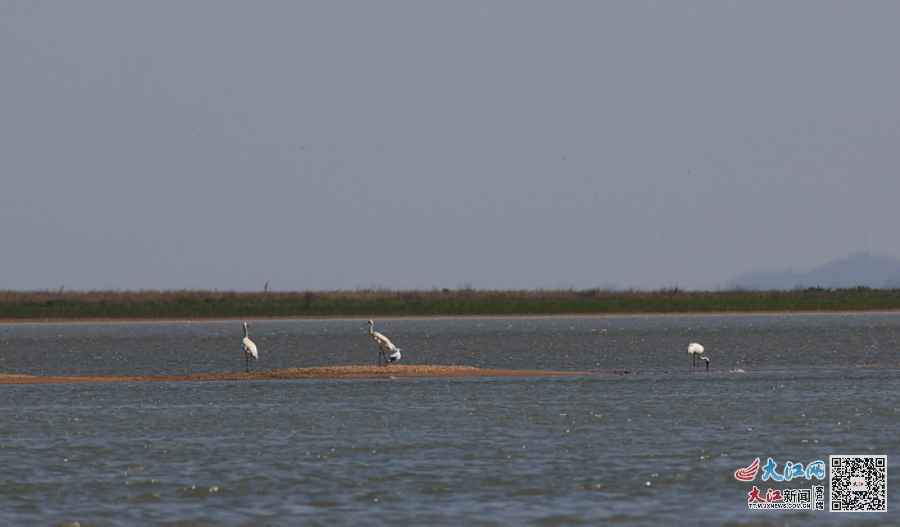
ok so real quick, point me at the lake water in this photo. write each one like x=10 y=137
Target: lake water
x=657 y=447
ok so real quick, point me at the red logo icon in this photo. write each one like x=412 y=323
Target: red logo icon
x=747 y=474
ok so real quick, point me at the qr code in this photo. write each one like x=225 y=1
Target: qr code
x=858 y=483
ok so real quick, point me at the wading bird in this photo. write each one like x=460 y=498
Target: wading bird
x=383 y=343
x=696 y=352
x=249 y=348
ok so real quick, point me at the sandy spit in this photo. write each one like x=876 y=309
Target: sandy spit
x=325 y=372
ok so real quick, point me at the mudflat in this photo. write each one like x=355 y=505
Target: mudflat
x=324 y=372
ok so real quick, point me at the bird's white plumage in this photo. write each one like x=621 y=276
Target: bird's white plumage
x=250 y=352
x=250 y=348
x=696 y=352
x=394 y=357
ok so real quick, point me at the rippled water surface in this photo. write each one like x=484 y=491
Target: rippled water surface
x=659 y=447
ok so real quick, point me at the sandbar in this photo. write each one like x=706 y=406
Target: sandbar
x=324 y=372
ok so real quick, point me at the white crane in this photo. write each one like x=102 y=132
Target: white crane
x=383 y=342
x=249 y=348
x=696 y=352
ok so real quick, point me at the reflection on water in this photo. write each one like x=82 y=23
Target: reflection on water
x=632 y=449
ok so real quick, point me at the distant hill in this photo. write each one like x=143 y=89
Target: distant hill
x=859 y=269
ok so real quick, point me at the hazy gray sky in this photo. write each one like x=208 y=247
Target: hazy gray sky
x=411 y=145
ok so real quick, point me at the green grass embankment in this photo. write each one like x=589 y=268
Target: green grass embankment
x=194 y=305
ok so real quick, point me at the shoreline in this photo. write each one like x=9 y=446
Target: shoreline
x=50 y=306
x=315 y=373
x=438 y=317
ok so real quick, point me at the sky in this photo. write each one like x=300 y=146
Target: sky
x=416 y=145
